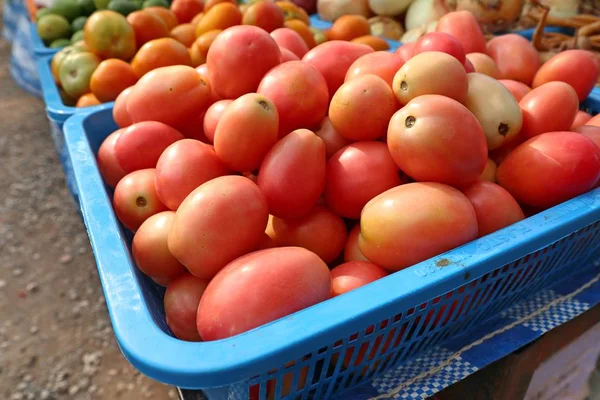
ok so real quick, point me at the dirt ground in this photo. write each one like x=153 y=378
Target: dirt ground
x=56 y=340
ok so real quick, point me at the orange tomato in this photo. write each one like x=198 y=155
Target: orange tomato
x=147 y=26
x=110 y=78
x=220 y=16
x=292 y=11
x=165 y=14
x=265 y=15
x=87 y=100
x=108 y=35
x=120 y=113
x=303 y=30
x=208 y=4
x=377 y=43
x=160 y=53
x=186 y=10
x=348 y=27
x=200 y=47
x=184 y=34
x=197 y=19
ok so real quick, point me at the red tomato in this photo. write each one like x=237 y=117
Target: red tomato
x=140 y=145
x=399 y=229
x=173 y=95
x=333 y=59
x=287 y=55
x=351 y=250
x=244 y=52
x=265 y=15
x=494 y=206
x=439 y=41
x=578 y=68
x=465 y=28
x=292 y=175
x=194 y=129
x=548 y=108
x=436 y=139
x=108 y=164
x=150 y=250
x=356 y=174
x=332 y=138
x=212 y=117
x=469 y=67
x=261 y=287
x=518 y=89
x=120 y=113
x=354 y=274
x=320 y=231
x=219 y=221
x=489 y=173
x=550 y=168
x=184 y=166
x=291 y=40
x=515 y=57
x=362 y=108
x=299 y=93
x=381 y=63
x=186 y=10
x=182 y=298
x=581 y=118
x=135 y=199
x=406 y=51
x=246 y=132
x=432 y=72
x=213 y=96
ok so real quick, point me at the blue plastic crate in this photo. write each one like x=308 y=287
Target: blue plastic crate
x=39 y=47
x=392 y=319
x=57 y=113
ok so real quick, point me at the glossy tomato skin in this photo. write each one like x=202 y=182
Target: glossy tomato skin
x=332 y=138
x=299 y=93
x=381 y=63
x=399 y=229
x=181 y=306
x=147 y=27
x=265 y=15
x=436 y=139
x=219 y=221
x=184 y=166
x=515 y=57
x=287 y=55
x=440 y=41
x=352 y=250
x=160 y=53
x=550 y=107
x=109 y=166
x=292 y=175
x=356 y=174
x=406 y=51
x=246 y=132
x=246 y=52
x=140 y=145
x=172 y=95
x=362 y=107
x=135 y=199
x=333 y=59
x=550 y=168
x=518 y=89
x=120 y=113
x=291 y=40
x=212 y=117
x=580 y=120
x=354 y=274
x=186 y=10
x=261 y=287
x=578 y=68
x=465 y=28
x=484 y=64
x=150 y=250
x=320 y=231
x=213 y=96
x=111 y=78
x=494 y=206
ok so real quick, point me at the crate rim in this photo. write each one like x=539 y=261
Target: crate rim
x=55 y=108
x=225 y=362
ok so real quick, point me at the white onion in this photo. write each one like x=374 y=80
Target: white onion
x=389 y=7
x=422 y=12
x=493 y=15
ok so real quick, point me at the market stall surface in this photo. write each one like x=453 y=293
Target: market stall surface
x=56 y=340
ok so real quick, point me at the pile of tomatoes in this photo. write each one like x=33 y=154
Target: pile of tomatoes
x=258 y=187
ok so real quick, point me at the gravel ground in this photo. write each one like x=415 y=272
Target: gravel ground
x=56 y=340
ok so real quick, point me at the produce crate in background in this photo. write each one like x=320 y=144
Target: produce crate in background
x=57 y=113
x=39 y=48
x=313 y=353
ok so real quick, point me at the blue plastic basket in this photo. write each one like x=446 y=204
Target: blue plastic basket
x=39 y=47
x=314 y=350
x=57 y=113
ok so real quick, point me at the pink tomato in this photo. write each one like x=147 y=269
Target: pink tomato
x=515 y=57
x=465 y=28
x=182 y=298
x=291 y=40
x=440 y=41
x=120 y=113
x=581 y=118
x=109 y=166
x=332 y=138
x=518 y=89
x=381 y=63
x=212 y=117
x=354 y=274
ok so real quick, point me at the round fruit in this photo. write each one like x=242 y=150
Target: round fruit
x=77 y=36
x=159 y=53
x=348 y=27
x=147 y=27
x=58 y=58
x=406 y=51
x=356 y=174
x=51 y=27
x=362 y=108
x=376 y=43
x=219 y=221
x=518 y=89
x=184 y=34
x=580 y=119
x=494 y=206
x=120 y=113
x=123 y=7
x=111 y=78
x=332 y=138
x=380 y=63
x=109 y=35
x=164 y=14
x=59 y=43
x=288 y=279
x=87 y=100
x=484 y=64
x=465 y=28
x=186 y=10
x=201 y=45
x=87 y=7
x=150 y=250
x=78 y=24
x=515 y=57
x=354 y=274
x=155 y=3
x=432 y=72
x=414 y=222
x=439 y=41
x=70 y=9
x=76 y=71
x=291 y=40
x=212 y=117
x=109 y=166
x=436 y=139
x=265 y=15
x=220 y=16
x=181 y=306
x=302 y=29
x=495 y=108
x=352 y=251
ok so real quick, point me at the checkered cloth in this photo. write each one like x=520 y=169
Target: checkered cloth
x=492 y=349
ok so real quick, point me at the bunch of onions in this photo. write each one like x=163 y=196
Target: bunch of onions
x=330 y=10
